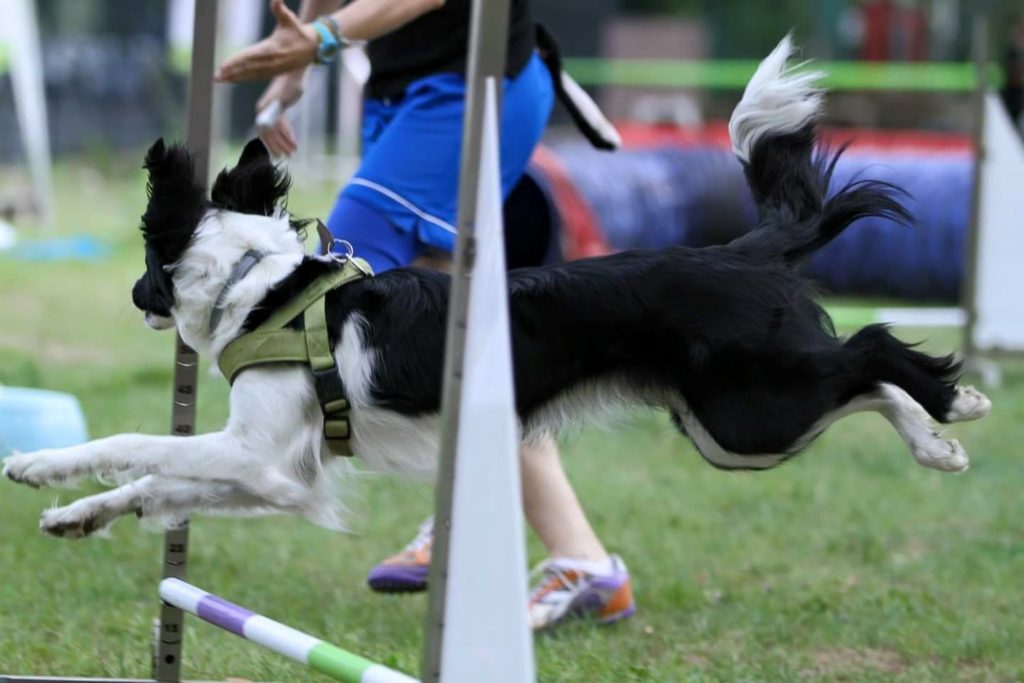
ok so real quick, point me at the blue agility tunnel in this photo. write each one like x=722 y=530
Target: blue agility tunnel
x=670 y=194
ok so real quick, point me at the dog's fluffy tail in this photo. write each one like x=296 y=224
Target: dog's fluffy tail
x=773 y=135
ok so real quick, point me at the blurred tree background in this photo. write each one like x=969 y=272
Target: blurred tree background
x=115 y=79
x=748 y=28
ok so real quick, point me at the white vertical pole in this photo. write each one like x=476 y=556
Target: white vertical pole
x=998 y=318
x=486 y=60
x=238 y=25
x=30 y=100
x=487 y=636
x=309 y=116
x=352 y=76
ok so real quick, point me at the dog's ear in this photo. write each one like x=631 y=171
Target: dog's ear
x=254 y=152
x=170 y=169
x=155 y=155
x=176 y=200
x=254 y=186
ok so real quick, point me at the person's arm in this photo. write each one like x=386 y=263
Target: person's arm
x=294 y=42
x=311 y=9
x=286 y=89
x=369 y=19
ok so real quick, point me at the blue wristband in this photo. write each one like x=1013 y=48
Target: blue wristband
x=329 y=46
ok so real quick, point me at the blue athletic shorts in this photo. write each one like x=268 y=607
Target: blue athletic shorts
x=409 y=174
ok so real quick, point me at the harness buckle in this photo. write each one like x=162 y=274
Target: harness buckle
x=328 y=387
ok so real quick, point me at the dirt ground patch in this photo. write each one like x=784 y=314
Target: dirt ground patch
x=846 y=660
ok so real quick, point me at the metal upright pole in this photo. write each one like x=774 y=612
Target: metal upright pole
x=488 y=42
x=167 y=650
x=969 y=297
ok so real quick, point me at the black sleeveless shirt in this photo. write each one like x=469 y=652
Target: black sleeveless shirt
x=437 y=42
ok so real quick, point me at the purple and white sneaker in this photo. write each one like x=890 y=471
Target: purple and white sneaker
x=573 y=588
x=407 y=571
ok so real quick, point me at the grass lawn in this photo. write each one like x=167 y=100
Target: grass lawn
x=851 y=563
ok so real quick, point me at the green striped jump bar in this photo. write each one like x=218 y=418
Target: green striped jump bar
x=328 y=659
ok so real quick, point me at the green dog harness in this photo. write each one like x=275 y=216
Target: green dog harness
x=273 y=342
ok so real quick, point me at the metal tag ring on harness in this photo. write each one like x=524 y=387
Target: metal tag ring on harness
x=350 y=251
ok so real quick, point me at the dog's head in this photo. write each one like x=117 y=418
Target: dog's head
x=178 y=207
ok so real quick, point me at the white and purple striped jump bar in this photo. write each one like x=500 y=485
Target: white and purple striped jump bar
x=305 y=649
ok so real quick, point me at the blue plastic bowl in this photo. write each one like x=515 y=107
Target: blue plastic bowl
x=31 y=419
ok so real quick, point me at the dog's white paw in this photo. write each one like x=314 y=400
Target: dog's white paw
x=969 y=404
x=78 y=520
x=41 y=468
x=939 y=454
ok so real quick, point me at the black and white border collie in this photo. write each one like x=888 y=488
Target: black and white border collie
x=728 y=339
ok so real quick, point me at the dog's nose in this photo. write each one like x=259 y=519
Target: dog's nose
x=138 y=296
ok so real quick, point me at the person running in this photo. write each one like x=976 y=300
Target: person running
x=399 y=209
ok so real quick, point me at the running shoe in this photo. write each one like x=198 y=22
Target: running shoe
x=407 y=571
x=565 y=588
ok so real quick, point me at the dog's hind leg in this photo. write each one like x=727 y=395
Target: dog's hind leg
x=968 y=404
x=907 y=416
x=929 y=380
x=711 y=450
x=148 y=496
x=911 y=422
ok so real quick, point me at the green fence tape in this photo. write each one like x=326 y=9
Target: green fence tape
x=728 y=74
x=852 y=316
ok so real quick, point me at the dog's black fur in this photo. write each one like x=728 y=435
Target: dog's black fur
x=734 y=330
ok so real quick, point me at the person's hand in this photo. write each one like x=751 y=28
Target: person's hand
x=292 y=45
x=278 y=135
x=285 y=90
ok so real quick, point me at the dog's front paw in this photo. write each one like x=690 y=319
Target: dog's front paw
x=968 y=404
x=77 y=520
x=14 y=468
x=41 y=468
